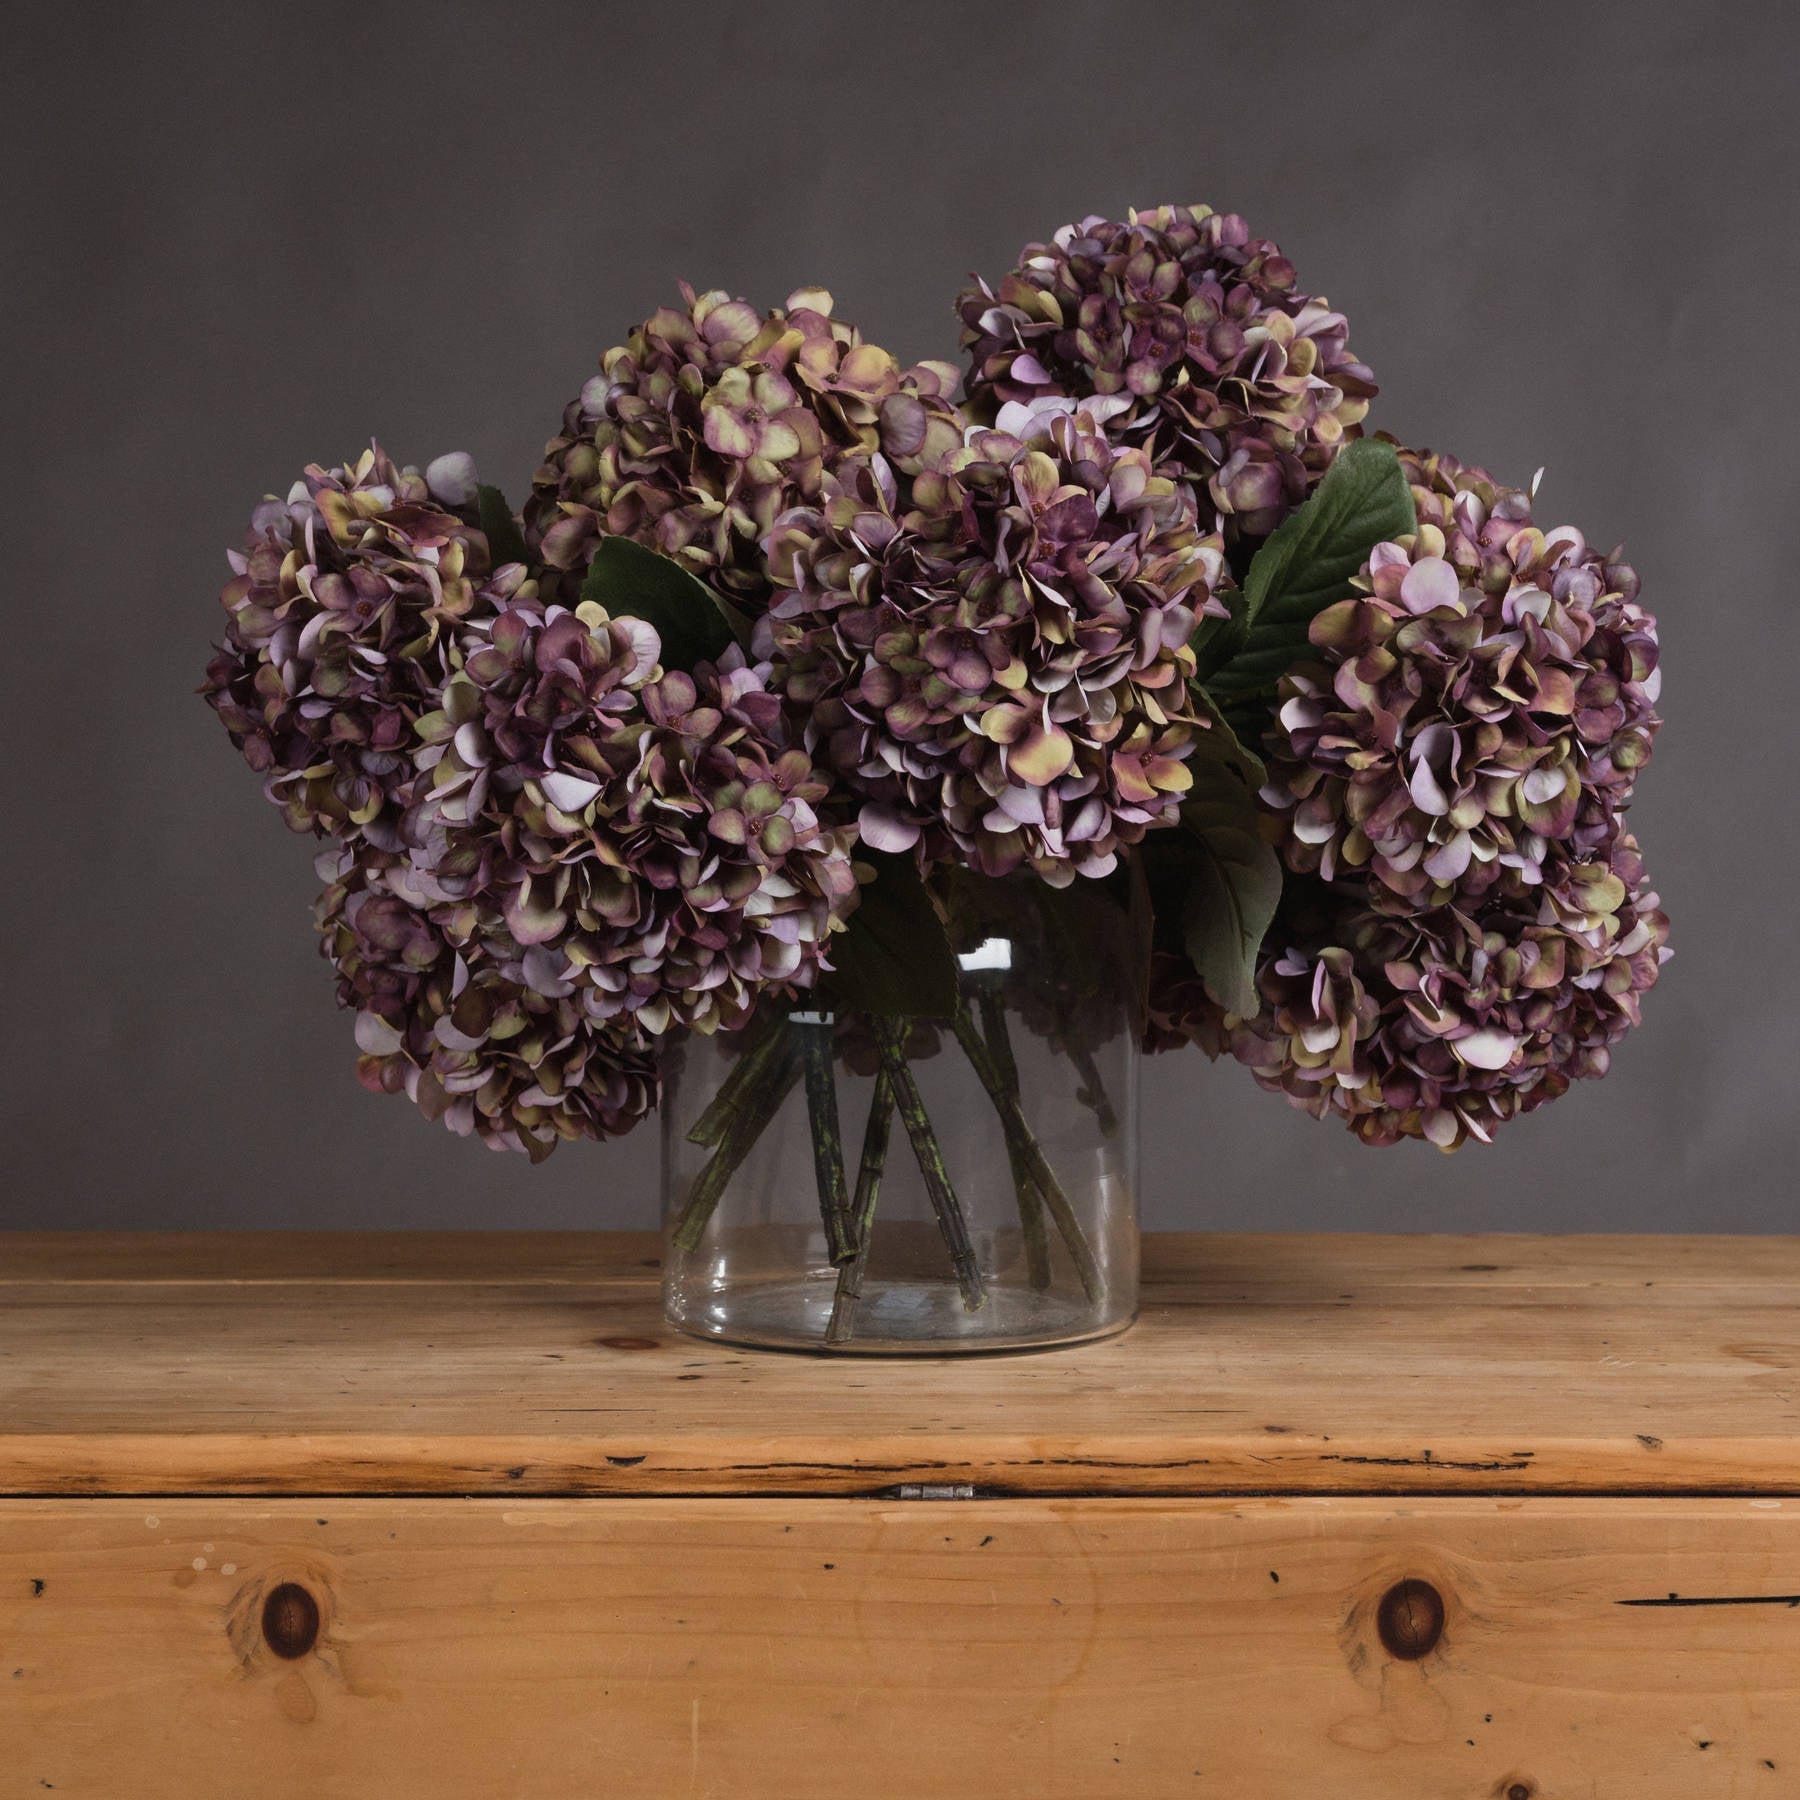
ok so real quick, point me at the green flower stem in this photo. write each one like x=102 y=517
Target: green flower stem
x=827 y=1136
x=868 y=1189
x=748 y=1122
x=891 y=1035
x=1031 y=1204
x=1092 y=1092
x=1012 y=1122
x=764 y=1040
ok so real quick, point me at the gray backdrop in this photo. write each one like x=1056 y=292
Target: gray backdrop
x=245 y=236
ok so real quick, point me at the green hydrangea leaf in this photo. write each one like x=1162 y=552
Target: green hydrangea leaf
x=1231 y=898
x=894 y=955
x=1220 y=755
x=505 y=542
x=1308 y=562
x=1216 y=641
x=1213 y=881
x=633 y=581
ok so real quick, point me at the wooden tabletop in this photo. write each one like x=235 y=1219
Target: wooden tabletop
x=501 y=1363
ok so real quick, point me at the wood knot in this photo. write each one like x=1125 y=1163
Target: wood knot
x=290 y=1621
x=1410 y=1621
x=628 y=1343
x=1518 y=1790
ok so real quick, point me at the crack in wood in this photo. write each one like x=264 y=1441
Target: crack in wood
x=1789 y=1600
x=1521 y=1459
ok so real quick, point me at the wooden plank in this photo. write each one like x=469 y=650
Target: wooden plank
x=1205 y=1262
x=1614 y=1365
x=820 y=1649
x=348 y=1258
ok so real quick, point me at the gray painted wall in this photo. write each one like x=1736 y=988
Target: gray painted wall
x=242 y=237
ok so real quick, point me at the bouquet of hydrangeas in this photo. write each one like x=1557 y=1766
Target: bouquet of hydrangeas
x=789 y=647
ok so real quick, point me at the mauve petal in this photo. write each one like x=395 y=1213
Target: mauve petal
x=1101 y=407
x=1541 y=785
x=1024 y=806
x=1428 y=797
x=1486 y=1048
x=1429 y=583
x=646 y=646
x=881 y=828
x=375 y=1036
x=447 y=1034
x=1439 y=1127
x=727 y=434
x=904 y=422
x=1129 y=779
x=545 y=972
x=452 y=479
x=1007 y=724
x=1041 y=755
x=568 y=793
x=1448 y=861
x=1021 y=420
x=1089 y=821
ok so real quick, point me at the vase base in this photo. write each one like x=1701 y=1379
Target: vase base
x=894 y=1318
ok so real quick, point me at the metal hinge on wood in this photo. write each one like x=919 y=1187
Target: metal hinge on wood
x=934 y=1490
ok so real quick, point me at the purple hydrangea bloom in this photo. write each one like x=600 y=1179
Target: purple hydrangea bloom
x=1446 y=1022
x=993 y=655
x=1195 y=339
x=711 y=420
x=1466 y=927
x=651 y=837
x=447 y=1013
x=1487 y=701
x=340 y=611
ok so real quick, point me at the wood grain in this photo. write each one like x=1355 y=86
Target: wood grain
x=814 y=1649
x=1196 y=1260
x=517 y=1364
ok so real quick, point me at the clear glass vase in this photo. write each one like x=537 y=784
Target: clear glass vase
x=842 y=1181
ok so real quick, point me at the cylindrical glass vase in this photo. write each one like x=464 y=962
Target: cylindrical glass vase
x=887 y=1183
